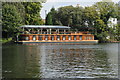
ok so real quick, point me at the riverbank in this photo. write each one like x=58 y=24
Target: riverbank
x=5 y=40
x=114 y=41
x=109 y=41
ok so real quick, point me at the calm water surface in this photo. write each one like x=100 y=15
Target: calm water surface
x=60 y=61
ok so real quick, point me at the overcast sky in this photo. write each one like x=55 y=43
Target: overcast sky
x=59 y=3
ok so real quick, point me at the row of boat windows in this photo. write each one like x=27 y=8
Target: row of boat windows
x=88 y=38
x=58 y=38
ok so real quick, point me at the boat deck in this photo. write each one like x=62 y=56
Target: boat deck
x=67 y=41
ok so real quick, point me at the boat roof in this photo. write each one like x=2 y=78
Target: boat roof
x=45 y=26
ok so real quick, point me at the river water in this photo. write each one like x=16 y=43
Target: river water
x=60 y=60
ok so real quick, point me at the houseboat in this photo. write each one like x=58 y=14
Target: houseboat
x=54 y=34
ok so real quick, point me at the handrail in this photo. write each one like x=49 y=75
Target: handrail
x=53 y=32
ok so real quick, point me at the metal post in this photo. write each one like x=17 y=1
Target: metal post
x=64 y=31
x=50 y=31
x=23 y=30
x=17 y=38
x=58 y=31
x=29 y=30
x=47 y=31
x=41 y=31
x=38 y=31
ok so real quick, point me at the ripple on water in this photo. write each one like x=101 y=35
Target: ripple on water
x=60 y=61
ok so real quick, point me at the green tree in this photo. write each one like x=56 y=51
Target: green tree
x=90 y=15
x=71 y=16
x=15 y=14
x=32 y=10
x=11 y=19
x=49 y=19
x=106 y=10
x=54 y=16
x=100 y=26
x=93 y=18
x=65 y=15
x=77 y=18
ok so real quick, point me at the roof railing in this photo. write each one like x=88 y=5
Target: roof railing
x=53 y=32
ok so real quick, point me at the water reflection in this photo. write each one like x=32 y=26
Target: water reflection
x=60 y=60
x=20 y=61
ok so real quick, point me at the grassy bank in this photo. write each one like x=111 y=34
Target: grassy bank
x=5 y=40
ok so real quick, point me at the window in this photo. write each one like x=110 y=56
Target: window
x=69 y=37
x=74 y=37
x=80 y=37
x=52 y=37
x=86 y=38
x=113 y=19
x=40 y=37
x=34 y=37
x=58 y=37
x=26 y=38
x=64 y=38
x=46 y=37
x=91 y=38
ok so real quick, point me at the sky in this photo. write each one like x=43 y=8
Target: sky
x=60 y=3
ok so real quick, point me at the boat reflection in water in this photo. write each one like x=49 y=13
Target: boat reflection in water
x=61 y=61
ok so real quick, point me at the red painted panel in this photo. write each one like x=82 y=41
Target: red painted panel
x=66 y=37
x=77 y=37
x=49 y=37
x=30 y=37
x=72 y=37
x=61 y=37
x=37 y=38
x=55 y=37
x=43 y=37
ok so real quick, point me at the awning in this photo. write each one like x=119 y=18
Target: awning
x=45 y=26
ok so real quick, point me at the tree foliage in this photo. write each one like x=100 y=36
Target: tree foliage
x=15 y=14
x=49 y=19
x=52 y=18
x=92 y=18
x=11 y=19
x=106 y=10
x=32 y=16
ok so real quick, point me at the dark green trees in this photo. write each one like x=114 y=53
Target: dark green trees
x=32 y=10
x=52 y=18
x=106 y=10
x=65 y=15
x=49 y=20
x=15 y=14
x=92 y=18
x=11 y=19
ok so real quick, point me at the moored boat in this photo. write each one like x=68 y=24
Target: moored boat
x=54 y=34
